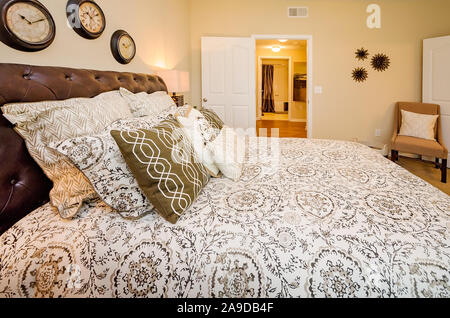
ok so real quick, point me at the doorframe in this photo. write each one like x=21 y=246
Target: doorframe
x=309 y=55
x=258 y=86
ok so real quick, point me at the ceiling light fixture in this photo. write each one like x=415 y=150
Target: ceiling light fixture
x=276 y=49
x=282 y=40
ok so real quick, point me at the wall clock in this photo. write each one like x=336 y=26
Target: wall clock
x=26 y=25
x=86 y=18
x=123 y=47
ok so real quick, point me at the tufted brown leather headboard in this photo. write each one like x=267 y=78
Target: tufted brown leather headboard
x=23 y=185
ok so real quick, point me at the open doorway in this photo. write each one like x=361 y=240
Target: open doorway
x=274 y=87
x=283 y=84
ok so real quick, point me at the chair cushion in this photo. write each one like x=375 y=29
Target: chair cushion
x=419 y=146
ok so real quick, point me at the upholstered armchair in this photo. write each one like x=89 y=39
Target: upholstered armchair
x=418 y=146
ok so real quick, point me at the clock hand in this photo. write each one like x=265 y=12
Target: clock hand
x=38 y=21
x=23 y=18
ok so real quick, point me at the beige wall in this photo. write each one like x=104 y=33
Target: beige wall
x=166 y=30
x=160 y=29
x=345 y=110
x=300 y=68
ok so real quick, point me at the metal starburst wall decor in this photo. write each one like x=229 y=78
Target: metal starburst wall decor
x=362 y=54
x=380 y=62
x=360 y=74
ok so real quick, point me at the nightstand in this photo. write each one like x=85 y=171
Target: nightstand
x=178 y=99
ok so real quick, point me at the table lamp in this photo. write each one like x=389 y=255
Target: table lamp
x=177 y=82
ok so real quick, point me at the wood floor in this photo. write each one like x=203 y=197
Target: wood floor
x=286 y=129
x=275 y=116
x=422 y=169
x=425 y=170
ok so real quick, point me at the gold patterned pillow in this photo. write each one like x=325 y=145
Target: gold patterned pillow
x=165 y=166
x=41 y=124
x=213 y=119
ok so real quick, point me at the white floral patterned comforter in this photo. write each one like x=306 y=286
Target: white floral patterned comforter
x=328 y=219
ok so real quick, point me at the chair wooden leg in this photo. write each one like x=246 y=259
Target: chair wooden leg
x=394 y=155
x=438 y=165
x=444 y=170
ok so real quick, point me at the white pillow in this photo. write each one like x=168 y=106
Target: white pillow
x=201 y=133
x=418 y=125
x=228 y=151
x=143 y=104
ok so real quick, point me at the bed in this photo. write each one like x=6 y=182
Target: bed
x=308 y=218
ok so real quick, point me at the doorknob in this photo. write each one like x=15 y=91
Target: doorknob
x=205 y=100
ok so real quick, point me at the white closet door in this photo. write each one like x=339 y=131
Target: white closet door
x=227 y=73
x=436 y=79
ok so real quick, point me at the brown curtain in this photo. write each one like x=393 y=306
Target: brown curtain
x=268 y=103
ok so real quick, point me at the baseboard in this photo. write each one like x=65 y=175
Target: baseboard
x=408 y=155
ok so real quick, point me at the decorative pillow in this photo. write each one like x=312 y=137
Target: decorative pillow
x=142 y=122
x=48 y=122
x=229 y=152
x=418 y=125
x=100 y=160
x=200 y=132
x=213 y=119
x=143 y=104
x=165 y=166
x=182 y=110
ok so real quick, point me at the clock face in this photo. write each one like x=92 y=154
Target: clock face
x=28 y=23
x=127 y=48
x=123 y=47
x=91 y=17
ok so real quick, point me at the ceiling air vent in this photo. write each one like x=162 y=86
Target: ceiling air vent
x=297 y=12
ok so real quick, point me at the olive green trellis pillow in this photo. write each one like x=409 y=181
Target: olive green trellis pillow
x=165 y=166
x=213 y=119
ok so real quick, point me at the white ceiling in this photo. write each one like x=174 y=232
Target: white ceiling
x=289 y=45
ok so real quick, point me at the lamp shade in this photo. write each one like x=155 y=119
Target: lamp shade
x=176 y=81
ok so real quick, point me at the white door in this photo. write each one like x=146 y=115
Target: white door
x=227 y=86
x=436 y=79
x=280 y=85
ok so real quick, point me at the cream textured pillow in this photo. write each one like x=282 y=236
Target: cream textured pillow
x=201 y=133
x=229 y=152
x=41 y=124
x=100 y=160
x=143 y=104
x=418 y=125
